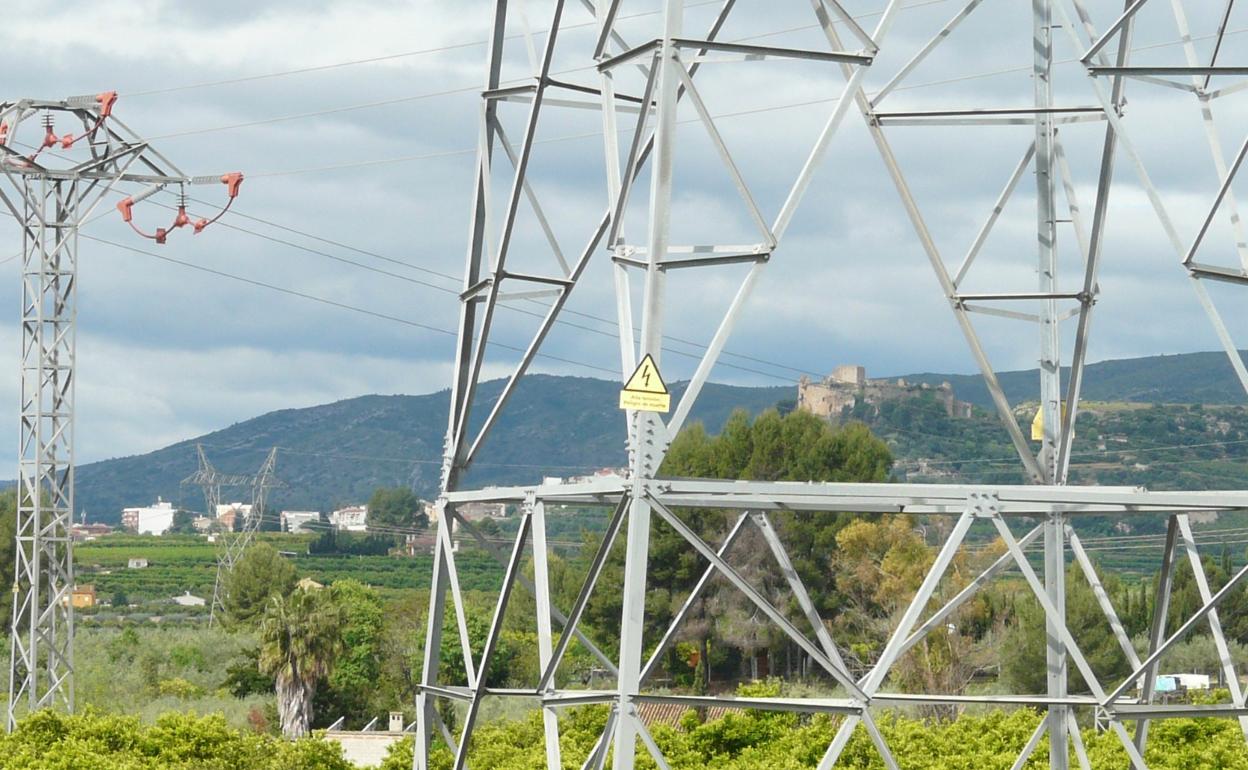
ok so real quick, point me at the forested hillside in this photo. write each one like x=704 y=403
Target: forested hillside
x=1187 y=378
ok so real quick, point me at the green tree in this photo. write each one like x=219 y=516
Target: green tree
x=183 y=523
x=357 y=672
x=300 y=640
x=244 y=678
x=396 y=507
x=1025 y=669
x=260 y=574
x=796 y=447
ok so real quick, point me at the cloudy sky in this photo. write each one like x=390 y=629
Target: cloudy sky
x=356 y=123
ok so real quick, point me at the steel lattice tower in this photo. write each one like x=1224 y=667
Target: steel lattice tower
x=51 y=196
x=668 y=63
x=233 y=544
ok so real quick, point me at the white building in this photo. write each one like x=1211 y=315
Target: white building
x=295 y=521
x=353 y=518
x=186 y=600
x=150 y=520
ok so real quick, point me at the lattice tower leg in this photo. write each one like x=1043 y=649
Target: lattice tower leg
x=41 y=663
x=646 y=427
x=1050 y=372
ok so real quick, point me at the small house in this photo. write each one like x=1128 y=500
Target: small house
x=82 y=597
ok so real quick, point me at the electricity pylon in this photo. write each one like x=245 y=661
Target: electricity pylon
x=234 y=544
x=650 y=242
x=51 y=194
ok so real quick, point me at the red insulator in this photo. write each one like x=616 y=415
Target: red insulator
x=106 y=101
x=232 y=181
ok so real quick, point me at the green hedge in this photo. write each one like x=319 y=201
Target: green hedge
x=52 y=741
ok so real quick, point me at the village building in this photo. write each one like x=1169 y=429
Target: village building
x=82 y=597
x=353 y=518
x=149 y=520
x=81 y=532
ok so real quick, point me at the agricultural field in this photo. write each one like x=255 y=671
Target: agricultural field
x=188 y=563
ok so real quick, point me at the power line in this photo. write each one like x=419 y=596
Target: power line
x=1162 y=535
x=447 y=290
x=333 y=303
x=612 y=335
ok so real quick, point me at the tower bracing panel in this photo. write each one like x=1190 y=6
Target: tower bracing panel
x=650 y=75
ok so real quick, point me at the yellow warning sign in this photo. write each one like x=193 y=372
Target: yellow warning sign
x=645 y=390
x=1037 y=423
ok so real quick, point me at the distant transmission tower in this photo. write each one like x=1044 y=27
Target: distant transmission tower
x=234 y=544
x=51 y=195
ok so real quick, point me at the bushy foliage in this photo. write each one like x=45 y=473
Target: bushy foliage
x=352 y=685
x=52 y=741
x=396 y=507
x=159 y=669
x=745 y=740
x=756 y=740
x=259 y=575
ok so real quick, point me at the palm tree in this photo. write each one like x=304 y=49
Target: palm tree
x=300 y=637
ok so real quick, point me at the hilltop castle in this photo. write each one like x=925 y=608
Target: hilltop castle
x=848 y=386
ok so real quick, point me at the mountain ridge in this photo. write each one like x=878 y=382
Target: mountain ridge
x=337 y=453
